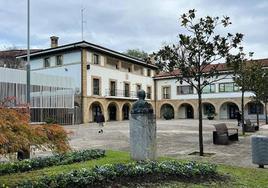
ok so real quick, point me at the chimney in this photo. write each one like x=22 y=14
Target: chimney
x=54 y=41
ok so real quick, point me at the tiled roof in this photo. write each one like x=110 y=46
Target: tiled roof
x=219 y=67
x=85 y=44
x=15 y=52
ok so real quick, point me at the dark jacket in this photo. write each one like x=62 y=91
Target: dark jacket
x=238 y=116
x=100 y=118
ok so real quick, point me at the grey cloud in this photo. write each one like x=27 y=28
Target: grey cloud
x=125 y=24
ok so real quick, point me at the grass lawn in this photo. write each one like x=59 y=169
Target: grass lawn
x=238 y=177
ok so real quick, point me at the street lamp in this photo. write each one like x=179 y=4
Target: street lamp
x=28 y=66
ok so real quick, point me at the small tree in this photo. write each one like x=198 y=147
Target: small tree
x=258 y=85
x=16 y=135
x=264 y=99
x=242 y=77
x=195 y=54
x=137 y=53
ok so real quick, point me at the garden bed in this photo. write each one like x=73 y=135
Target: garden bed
x=101 y=176
x=56 y=160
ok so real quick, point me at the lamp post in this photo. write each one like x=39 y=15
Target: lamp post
x=242 y=109
x=28 y=66
x=266 y=116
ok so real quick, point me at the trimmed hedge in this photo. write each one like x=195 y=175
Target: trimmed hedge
x=56 y=160
x=100 y=175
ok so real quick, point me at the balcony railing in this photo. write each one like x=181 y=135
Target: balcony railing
x=123 y=93
x=166 y=96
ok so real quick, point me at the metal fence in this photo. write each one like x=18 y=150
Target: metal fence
x=52 y=97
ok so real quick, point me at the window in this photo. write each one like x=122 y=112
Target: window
x=96 y=59
x=112 y=88
x=47 y=62
x=254 y=107
x=149 y=91
x=228 y=87
x=138 y=87
x=209 y=89
x=126 y=90
x=59 y=60
x=166 y=92
x=96 y=86
x=148 y=72
x=182 y=90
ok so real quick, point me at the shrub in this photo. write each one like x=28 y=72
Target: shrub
x=107 y=173
x=50 y=120
x=60 y=159
x=17 y=135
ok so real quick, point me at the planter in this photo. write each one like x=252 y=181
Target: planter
x=210 y=117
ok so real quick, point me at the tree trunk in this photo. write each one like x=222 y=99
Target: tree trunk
x=24 y=154
x=201 y=148
x=242 y=113
x=258 y=108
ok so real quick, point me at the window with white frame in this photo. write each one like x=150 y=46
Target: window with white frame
x=59 y=60
x=96 y=86
x=166 y=92
x=46 y=62
x=228 y=87
x=183 y=90
x=96 y=59
x=209 y=89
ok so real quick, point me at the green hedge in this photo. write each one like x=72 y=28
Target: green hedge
x=59 y=159
x=100 y=175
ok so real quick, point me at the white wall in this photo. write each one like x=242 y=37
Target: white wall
x=71 y=67
x=68 y=58
x=106 y=74
x=174 y=83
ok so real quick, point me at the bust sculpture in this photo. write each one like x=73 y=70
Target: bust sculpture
x=141 y=106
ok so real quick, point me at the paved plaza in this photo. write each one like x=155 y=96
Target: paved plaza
x=175 y=138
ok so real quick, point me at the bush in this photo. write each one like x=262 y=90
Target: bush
x=168 y=114
x=50 y=120
x=60 y=159
x=17 y=135
x=100 y=175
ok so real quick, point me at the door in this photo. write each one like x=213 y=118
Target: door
x=232 y=109
x=125 y=112
x=96 y=110
x=112 y=113
x=189 y=112
x=112 y=88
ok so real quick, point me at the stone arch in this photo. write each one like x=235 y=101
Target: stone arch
x=228 y=110
x=186 y=111
x=113 y=111
x=95 y=108
x=251 y=110
x=126 y=111
x=167 y=111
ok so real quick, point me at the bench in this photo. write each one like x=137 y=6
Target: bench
x=223 y=135
x=250 y=127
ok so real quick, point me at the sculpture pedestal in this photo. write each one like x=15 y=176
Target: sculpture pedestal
x=142 y=136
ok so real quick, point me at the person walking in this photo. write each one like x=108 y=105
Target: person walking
x=100 y=120
x=238 y=117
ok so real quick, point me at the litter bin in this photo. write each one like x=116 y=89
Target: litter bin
x=259 y=145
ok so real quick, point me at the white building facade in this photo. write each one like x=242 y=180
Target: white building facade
x=223 y=98
x=105 y=81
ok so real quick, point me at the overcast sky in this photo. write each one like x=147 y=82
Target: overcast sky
x=126 y=24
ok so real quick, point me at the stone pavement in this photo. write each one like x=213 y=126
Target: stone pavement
x=175 y=138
